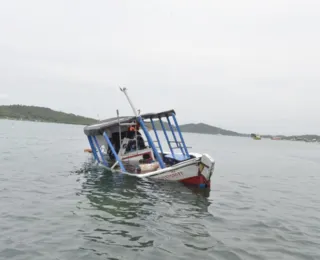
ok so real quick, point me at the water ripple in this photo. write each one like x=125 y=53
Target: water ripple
x=57 y=204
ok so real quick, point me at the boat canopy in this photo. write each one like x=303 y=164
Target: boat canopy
x=112 y=124
x=158 y=115
x=106 y=129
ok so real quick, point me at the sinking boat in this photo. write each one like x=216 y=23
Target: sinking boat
x=118 y=144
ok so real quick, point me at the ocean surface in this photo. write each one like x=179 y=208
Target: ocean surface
x=264 y=201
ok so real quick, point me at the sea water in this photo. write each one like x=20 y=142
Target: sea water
x=264 y=201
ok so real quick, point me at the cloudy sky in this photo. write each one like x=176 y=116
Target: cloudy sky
x=248 y=66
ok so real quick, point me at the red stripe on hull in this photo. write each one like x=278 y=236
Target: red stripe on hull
x=197 y=180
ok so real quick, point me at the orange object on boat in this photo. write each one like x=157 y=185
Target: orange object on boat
x=88 y=150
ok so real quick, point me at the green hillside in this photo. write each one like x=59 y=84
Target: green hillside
x=199 y=128
x=202 y=128
x=42 y=114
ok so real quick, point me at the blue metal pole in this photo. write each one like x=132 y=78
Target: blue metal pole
x=151 y=143
x=174 y=136
x=155 y=132
x=102 y=157
x=113 y=151
x=93 y=148
x=180 y=134
x=165 y=134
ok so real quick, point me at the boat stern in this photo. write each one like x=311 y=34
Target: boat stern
x=205 y=168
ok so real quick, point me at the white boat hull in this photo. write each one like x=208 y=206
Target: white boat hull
x=196 y=171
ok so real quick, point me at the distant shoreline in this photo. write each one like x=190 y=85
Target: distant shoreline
x=285 y=138
x=38 y=121
x=47 y=115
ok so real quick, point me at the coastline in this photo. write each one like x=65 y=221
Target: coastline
x=296 y=138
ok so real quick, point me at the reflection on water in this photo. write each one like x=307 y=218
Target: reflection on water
x=256 y=209
x=138 y=214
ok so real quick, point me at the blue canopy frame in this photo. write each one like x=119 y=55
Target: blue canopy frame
x=100 y=129
x=168 y=114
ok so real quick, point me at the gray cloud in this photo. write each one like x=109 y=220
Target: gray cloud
x=242 y=65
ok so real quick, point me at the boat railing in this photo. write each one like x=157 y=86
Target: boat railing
x=179 y=144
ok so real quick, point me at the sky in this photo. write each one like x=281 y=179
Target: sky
x=247 y=66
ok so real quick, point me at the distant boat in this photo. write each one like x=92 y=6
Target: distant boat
x=255 y=136
x=275 y=138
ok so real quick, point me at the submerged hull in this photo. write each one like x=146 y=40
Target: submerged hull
x=195 y=171
x=118 y=145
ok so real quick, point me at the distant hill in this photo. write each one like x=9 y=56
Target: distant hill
x=42 y=114
x=202 y=128
x=199 y=128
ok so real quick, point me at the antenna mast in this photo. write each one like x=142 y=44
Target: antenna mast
x=145 y=130
x=124 y=90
